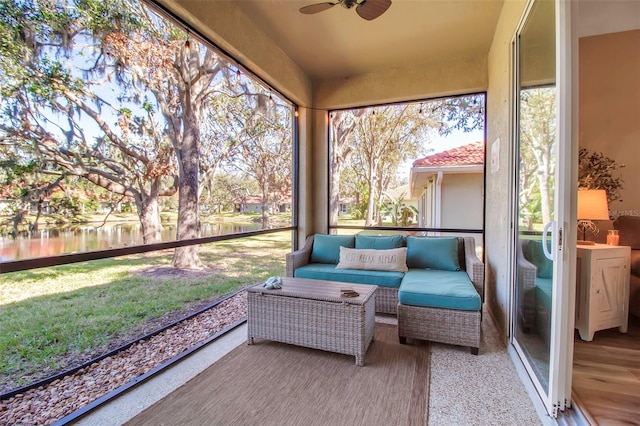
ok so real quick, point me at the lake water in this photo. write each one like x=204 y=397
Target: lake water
x=82 y=238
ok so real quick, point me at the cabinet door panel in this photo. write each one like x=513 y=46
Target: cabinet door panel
x=609 y=290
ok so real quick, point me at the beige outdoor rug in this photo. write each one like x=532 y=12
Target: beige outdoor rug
x=276 y=384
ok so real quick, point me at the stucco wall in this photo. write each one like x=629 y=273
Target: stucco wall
x=417 y=81
x=497 y=190
x=462 y=201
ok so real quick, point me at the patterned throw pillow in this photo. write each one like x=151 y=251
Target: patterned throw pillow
x=374 y=260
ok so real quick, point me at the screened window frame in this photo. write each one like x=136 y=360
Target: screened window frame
x=335 y=227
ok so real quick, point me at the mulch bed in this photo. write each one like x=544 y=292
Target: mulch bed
x=48 y=404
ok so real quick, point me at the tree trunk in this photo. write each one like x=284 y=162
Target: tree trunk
x=149 y=214
x=334 y=197
x=370 y=205
x=265 y=206
x=188 y=221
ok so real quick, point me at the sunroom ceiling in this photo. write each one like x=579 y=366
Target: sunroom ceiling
x=338 y=43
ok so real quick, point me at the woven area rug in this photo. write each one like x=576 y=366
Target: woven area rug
x=271 y=383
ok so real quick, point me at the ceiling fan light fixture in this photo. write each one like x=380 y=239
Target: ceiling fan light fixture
x=366 y=9
x=348 y=4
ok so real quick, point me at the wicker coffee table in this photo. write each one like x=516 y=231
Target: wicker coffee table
x=313 y=314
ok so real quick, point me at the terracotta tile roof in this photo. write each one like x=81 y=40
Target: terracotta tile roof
x=466 y=155
x=252 y=199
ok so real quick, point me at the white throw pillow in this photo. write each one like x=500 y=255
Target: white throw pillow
x=373 y=260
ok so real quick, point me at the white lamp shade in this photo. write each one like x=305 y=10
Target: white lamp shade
x=592 y=204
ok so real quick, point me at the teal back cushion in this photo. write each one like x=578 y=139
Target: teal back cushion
x=433 y=253
x=537 y=257
x=326 y=248
x=378 y=243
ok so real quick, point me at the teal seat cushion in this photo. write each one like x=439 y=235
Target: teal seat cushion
x=327 y=272
x=544 y=292
x=439 y=289
x=379 y=242
x=541 y=262
x=326 y=248
x=433 y=253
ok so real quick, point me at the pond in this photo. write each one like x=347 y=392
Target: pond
x=87 y=237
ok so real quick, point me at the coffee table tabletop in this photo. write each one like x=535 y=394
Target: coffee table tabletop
x=329 y=291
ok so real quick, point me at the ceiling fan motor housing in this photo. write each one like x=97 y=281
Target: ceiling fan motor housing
x=348 y=3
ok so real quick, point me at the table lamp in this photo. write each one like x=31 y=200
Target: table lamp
x=592 y=205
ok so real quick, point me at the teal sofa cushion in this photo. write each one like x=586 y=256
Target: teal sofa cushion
x=379 y=242
x=433 y=253
x=326 y=248
x=323 y=271
x=439 y=289
x=541 y=262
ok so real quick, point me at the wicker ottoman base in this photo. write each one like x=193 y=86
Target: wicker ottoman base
x=311 y=313
x=439 y=325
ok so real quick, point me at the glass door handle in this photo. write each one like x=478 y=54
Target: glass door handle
x=545 y=233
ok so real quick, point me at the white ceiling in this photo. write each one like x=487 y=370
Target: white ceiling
x=338 y=43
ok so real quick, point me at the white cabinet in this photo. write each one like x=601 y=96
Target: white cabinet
x=602 y=291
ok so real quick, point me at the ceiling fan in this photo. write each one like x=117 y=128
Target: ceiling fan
x=367 y=9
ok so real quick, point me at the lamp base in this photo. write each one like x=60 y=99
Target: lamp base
x=586 y=243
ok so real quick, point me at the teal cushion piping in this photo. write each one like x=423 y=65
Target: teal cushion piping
x=379 y=242
x=327 y=272
x=326 y=248
x=433 y=253
x=439 y=289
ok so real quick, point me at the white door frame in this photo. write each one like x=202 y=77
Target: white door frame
x=558 y=397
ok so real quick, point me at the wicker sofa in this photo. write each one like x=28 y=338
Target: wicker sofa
x=442 y=305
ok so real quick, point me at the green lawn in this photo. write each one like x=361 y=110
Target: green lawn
x=52 y=314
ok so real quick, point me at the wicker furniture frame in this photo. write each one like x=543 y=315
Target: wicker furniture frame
x=387 y=297
x=456 y=327
x=440 y=325
x=313 y=314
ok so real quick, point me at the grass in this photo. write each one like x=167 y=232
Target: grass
x=49 y=316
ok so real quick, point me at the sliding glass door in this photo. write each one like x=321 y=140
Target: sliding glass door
x=541 y=206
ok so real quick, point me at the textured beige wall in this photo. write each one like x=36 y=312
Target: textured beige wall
x=411 y=82
x=497 y=190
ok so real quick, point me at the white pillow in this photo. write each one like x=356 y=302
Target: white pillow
x=373 y=260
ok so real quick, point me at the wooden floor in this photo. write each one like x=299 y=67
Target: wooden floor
x=606 y=376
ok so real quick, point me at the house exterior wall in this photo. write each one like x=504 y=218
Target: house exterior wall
x=462 y=201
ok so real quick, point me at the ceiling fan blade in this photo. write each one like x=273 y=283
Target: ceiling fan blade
x=371 y=9
x=315 y=8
